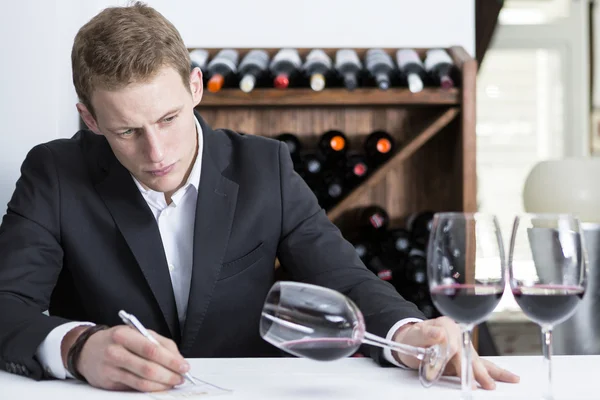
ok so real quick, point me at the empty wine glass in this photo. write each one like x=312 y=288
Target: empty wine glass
x=547 y=273
x=322 y=324
x=466 y=275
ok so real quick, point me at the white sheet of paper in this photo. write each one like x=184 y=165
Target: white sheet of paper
x=201 y=390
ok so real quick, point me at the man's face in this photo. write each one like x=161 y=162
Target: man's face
x=150 y=127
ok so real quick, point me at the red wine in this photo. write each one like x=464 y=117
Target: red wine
x=252 y=68
x=285 y=66
x=548 y=304
x=348 y=66
x=466 y=304
x=412 y=68
x=221 y=68
x=440 y=66
x=317 y=67
x=379 y=64
x=322 y=349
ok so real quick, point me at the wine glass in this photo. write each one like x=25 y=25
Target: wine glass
x=465 y=267
x=547 y=269
x=322 y=324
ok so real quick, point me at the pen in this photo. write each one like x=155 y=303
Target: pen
x=132 y=321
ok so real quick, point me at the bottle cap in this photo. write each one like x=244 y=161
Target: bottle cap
x=215 y=83
x=317 y=82
x=281 y=81
x=247 y=83
x=384 y=146
x=359 y=169
x=337 y=143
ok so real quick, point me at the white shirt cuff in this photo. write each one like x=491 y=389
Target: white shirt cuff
x=48 y=352
x=387 y=353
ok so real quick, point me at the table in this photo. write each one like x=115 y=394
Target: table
x=352 y=378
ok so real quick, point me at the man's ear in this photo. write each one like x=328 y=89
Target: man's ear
x=88 y=118
x=196 y=86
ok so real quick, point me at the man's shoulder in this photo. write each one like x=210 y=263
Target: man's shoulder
x=84 y=139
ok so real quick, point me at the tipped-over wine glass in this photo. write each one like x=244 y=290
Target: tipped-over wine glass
x=547 y=273
x=322 y=324
x=466 y=275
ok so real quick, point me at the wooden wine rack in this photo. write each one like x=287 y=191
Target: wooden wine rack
x=434 y=166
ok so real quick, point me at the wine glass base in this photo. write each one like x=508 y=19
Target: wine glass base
x=433 y=364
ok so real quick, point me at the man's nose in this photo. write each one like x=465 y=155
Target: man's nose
x=155 y=147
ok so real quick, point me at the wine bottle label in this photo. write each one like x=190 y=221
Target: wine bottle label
x=346 y=56
x=317 y=56
x=290 y=55
x=199 y=57
x=377 y=220
x=407 y=56
x=227 y=57
x=378 y=57
x=435 y=57
x=258 y=58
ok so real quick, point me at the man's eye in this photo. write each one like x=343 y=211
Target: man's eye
x=169 y=119
x=128 y=132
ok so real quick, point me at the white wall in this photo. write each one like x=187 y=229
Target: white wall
x=37 y=100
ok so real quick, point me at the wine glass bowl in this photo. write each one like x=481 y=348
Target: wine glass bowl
x=466 y=274
x=322 y=324
x=547 y=268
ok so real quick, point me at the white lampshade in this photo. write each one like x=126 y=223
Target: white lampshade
x=565 y=186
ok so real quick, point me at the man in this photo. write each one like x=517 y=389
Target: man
x=153 y=212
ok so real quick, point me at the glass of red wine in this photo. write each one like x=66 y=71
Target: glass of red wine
x=465 y=268
x=547 y=268
x=322 y=324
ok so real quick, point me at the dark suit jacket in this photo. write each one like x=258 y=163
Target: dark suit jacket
x=79 y=239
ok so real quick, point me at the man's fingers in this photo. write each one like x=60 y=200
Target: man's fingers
x=500 y=374
x=145 y=369
x=136 y=343
x=168 y=343
x=140 y=384
x=481 y=374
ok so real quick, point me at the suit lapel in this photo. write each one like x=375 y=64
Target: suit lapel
x=215 y=207
x=138 y=226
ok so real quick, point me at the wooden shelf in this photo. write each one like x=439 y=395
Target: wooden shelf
x=419 y=140
x=330 y=97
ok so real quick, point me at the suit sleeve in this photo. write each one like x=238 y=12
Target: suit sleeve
x=31 y=260
x=313 y=250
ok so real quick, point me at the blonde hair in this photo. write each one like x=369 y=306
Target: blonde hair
x=122 y=45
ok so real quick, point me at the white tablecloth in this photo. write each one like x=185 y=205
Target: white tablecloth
x=576 y=377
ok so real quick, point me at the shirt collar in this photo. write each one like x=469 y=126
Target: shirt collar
x=192 y=181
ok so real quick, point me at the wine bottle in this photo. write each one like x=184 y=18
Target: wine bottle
x=334 y=188
x=252 y=69
x=317 y=67
x=285 y=66
x=221 y=68
x=357 y=169
x=293 y=144
x=419 y=225
x=312 y=165
x=333 y=146
x=379 y=147
x=364 y=248
x=380 y=66
x=415 y=269
x=199 y=58
x=439 y=67
x=371 y=220
x=382 y=267
x=412 y=68
x=398 y=241
x=348 y=66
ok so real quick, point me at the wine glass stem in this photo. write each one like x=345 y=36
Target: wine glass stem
x=406 y=349
x=466 y=367
x=547 y=351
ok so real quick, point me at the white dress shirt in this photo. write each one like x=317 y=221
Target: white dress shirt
x=176 y=226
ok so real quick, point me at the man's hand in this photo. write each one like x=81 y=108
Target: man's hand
x=120 y=358
x=430 y=332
